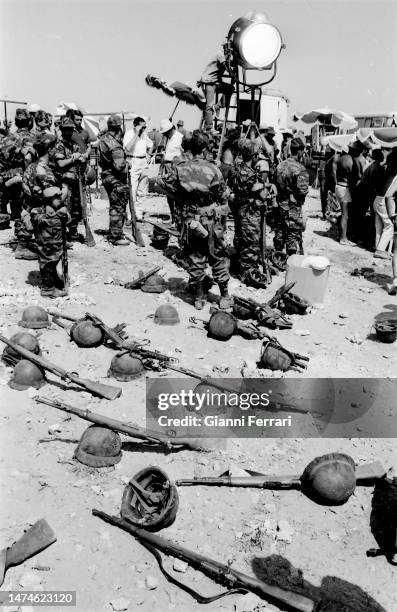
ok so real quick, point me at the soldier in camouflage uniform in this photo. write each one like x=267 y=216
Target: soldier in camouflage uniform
x=113 y=162
x=49 y=221
x=245 y=183
x=201 y=196
x=16 y=153
x=68 y=159
x=292 y=181
x=37 y=177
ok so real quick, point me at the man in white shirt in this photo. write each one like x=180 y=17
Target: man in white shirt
x=173 y=150
x=138 y=150
x=173 y=140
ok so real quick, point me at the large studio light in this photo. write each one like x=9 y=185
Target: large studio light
x=255 y=42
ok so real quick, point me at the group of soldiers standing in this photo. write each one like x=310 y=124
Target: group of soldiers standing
x=41 y=179
x=249 y=185
x=41 y=173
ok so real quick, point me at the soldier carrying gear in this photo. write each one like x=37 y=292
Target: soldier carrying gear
x=113 y=162
x=16 y=153
x=201 y=197
x=37 y=177
x=249 y=196
x=292 y=181
x=48 y=223
x=67 y=161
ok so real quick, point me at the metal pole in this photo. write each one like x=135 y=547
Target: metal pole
x=5 y=116
x=173 y=112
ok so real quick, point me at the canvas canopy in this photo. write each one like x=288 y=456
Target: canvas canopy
x=376 y=137
x=329 y=116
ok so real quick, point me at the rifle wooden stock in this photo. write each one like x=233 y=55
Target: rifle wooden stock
x=135 y=229
x=89 y=238
x=135 y=431
x=219 y=572
x=33 y=541
x=96 y=388
x=279 y=293
x=369 y=472
x=137 y=282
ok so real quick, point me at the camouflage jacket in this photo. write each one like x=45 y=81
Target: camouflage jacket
x=292 y=181
x=47 y=224
x=194 y=183
x=241 y=180
x=37 y=177
x=112 y=158
x=16 y=153
x=64 y=149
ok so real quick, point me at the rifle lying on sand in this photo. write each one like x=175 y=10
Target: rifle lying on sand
x=33 y=541
x=365 y=474
x=136 y=283
x=132 y=431
x=135 y=229
x=89 y=238
x=265 y=314
x=96 y=388
x=164 y=361
x=236 y=581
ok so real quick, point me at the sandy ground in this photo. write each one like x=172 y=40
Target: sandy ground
x=108 y=568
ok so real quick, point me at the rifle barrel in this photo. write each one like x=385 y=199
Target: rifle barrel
x=255 y=482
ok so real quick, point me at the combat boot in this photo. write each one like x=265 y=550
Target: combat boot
x=58 y=283
x=48 y=289
x=226 y=300
x=24 y=252
x=121 y=242
x=199 y=296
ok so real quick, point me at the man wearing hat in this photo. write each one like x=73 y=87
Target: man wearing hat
x=68 y=159
x=292 y=182
x=172 y=151
x=49 y=221
x=113 y=162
